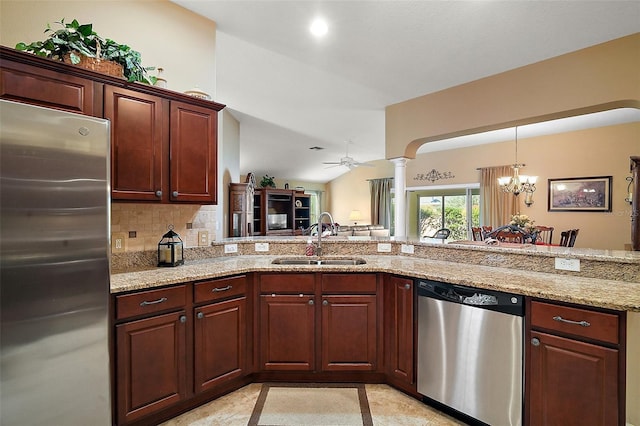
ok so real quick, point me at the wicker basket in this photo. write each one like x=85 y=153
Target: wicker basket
x=94 y=64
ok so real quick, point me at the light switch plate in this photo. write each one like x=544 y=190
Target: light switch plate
x=384 y=247
x=230 y=248
x=118 y=242
x=203 y=238
x=407 y=248
x=568 y=264
x=262 y=247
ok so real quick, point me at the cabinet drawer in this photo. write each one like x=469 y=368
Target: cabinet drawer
x=575 y=321
x=287 y=283
x=206 y=291
x=148 y=302
x=349 y=283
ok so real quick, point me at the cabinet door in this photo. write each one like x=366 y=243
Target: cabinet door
x=150 y=364
x=572 y=382
x=220 y=342
x=399 y=307
x=193 y=145
x=287 y=332
x=349 y=333
x=137 y=144
x=39 y=86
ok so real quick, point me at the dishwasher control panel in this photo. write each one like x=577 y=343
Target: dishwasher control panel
x=482 y=298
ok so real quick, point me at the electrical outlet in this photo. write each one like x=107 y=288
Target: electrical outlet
x=568 y=264
x=203 y=238
x=384 y=247
x=230 y=248
x=118 y=242
x=262 y=247
x=407 y=248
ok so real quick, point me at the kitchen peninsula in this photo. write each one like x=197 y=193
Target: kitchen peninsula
x=244 y=299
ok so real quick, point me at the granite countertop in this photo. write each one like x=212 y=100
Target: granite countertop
x=612 y=294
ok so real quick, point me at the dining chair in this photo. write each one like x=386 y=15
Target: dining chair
x=441 y=234
x=568 y=238
x=508 y=237
x=477 y=234
x=545 y=234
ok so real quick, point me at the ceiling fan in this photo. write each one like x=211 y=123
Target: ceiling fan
x=347 y=161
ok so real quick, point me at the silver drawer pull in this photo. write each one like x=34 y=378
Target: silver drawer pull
x=153 y=302
x=582 y=323
x=216 y=290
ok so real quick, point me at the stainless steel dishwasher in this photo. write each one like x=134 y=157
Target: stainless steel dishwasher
x=470 y=351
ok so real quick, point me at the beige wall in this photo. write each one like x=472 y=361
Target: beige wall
x=351 y=191
x=167 y=36
x=228 y=167
x=603 y=151
x=597 y=78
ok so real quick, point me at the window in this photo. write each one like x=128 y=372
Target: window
x=456 y=209
x=315 y=198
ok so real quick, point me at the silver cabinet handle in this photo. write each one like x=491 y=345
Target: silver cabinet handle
x=535 y=341
x=311 y=302
x=153 y=302
x=407 y=286
x=183 y=319
x=582 y=323
x=174 y=193
x=200 y=315
x=159 y=194
x=325 y=303
x=218 y=289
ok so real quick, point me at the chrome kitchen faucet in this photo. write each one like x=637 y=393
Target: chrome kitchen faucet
x=319 y=229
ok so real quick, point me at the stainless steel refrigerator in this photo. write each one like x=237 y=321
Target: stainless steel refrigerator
x=54 y=262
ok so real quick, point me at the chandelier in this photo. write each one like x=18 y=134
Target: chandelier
x=518 y=183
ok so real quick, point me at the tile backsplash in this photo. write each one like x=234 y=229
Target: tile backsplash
x=149 y=222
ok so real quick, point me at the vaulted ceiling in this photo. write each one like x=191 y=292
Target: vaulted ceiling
x=292 y=91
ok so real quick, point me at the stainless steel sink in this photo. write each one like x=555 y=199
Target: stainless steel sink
x=316 y=261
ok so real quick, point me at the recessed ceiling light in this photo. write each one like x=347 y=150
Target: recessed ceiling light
x=318 y=27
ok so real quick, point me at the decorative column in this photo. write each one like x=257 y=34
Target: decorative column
x=399 y=185
x=634 y=195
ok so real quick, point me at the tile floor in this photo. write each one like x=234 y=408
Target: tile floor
x=388 y=407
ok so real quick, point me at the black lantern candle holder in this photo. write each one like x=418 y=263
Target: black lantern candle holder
x=170 y=249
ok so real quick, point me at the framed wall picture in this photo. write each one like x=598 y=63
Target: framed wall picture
x=584 y=194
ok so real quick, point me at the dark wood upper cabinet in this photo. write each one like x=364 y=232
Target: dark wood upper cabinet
x=138 y=144
x=33 y=85
x=193 y=160
x=164 y=143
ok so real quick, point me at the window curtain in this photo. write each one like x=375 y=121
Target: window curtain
x=381 y=201
x=496 y=207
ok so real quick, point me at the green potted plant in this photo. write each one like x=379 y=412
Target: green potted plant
x=268 y=182
x=74 y=42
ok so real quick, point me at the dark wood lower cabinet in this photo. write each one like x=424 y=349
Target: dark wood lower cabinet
x=349 y=327
x=399 y=302
x=287 y=332
x=572 y=382
x=575 y=373
x=151 y=367
x=220 y=343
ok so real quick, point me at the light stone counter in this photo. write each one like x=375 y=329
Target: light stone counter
x=605 y=293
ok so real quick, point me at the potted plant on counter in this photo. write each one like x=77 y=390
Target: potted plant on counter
x=78 y=44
